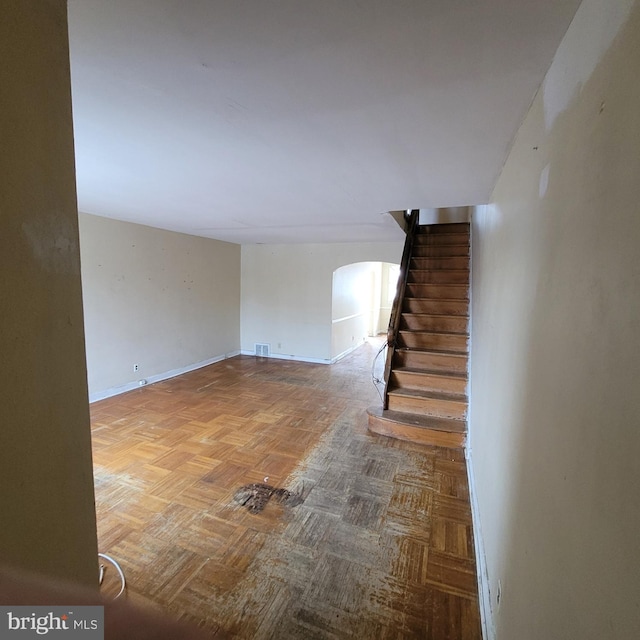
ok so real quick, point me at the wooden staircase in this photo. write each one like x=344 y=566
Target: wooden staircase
x=426 y=373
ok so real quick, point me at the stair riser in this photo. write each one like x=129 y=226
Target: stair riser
x=450 y=227
x=461 y=262
x=443 y=307
x=440 y=239
x=449 y=292
x=413 y=322
x=427 y=382
x=439 y=277
x=429 y=407
x=430 y=361
x=444 y=342
x=428 y=251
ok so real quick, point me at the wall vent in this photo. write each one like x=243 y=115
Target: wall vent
x=262 y=350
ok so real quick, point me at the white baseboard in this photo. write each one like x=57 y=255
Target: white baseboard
x=484 y=594
x=345 y=353
x=279 y=356
x=130 y=386
x=135 y=384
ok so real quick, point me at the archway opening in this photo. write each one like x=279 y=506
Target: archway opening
x=362 y=297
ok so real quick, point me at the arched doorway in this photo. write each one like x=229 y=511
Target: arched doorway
x=362 y=297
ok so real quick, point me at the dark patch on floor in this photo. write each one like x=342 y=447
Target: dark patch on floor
x=256 y=496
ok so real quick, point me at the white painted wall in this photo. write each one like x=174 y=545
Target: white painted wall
x=388 y=288
x=353 y=295
x=375 y=298
x=286 y=298
x=445 y=215
x=555 y=407
x=165 y=301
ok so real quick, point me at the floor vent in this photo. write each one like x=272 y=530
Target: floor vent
x=262 y=349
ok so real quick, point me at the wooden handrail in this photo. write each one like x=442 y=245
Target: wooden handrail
x=396 y=311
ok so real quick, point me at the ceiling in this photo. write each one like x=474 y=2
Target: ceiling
x=278 y=121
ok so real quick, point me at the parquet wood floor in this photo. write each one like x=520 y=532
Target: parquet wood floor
x=381 y=547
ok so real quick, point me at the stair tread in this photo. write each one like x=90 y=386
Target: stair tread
x=433 y=285
x=430 y=302
x=461 y=238
x=439 y=352
x=430 y=314
x=417 y=314
x=426 y=240
x=428 y=395
x=420 y=421
x=428 y=229
x=463 y=243
x=438 y=269
x=441 y=300
x=437 y=299
x=445 y=259
x=457 y=245
x=452 y=309
x=431 y=372
x=439 y=225
x=439 y=333
x=417 y=256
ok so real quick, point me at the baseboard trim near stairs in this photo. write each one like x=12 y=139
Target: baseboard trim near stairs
x=438 y=432
x=482 y=572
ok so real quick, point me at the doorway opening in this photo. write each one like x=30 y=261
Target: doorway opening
x=362 y=298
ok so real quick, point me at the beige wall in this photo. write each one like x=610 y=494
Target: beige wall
x=46 y=482
x=287 y=294
x=162 y=300
x=555 y=407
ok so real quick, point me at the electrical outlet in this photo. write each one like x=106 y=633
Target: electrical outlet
x=135 y=367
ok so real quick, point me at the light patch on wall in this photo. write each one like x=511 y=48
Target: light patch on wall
x=488 y=215
x=572 y=67
x=53 y=243
x=544 y=182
